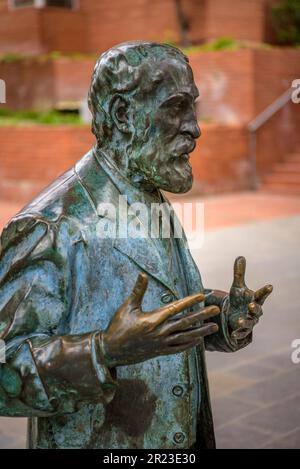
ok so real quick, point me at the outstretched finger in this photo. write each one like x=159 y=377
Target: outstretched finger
x=239 y=270
x=139 y=290
x=181 y=348
x=194 y=334
x=178 y=306
x=188 y=321
x=262 y=294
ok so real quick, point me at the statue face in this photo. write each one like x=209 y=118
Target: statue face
x=166 y=134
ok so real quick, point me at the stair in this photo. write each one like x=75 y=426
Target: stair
x=285 y=177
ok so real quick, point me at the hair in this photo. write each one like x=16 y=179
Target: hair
x=125 y=69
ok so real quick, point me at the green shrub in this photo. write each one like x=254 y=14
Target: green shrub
x=8 y=117
x=11 y=57
x=286 y=22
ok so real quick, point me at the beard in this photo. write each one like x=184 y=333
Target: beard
x=160 y=166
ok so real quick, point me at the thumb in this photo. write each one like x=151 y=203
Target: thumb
x=139 y=290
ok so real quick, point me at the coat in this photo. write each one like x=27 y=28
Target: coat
x=60 y=284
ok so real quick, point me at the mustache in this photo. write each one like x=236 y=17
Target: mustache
x=184 y=146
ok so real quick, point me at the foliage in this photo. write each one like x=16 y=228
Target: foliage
x=286 y=22
x=224 y=43
x=8 y=117
x=12 y=57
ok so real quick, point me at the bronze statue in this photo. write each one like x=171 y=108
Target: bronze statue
x=105 y=335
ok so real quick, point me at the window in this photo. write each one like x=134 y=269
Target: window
x=60 y=3
x=22 y=3
x=43 y=3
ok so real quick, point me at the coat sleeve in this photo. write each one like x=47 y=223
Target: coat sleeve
x=222 y=341
x=45 y=372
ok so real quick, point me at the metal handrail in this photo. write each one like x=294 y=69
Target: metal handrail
x=258 y=122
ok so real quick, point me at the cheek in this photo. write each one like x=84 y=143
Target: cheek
x=167 y=125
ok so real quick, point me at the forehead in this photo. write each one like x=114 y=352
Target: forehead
x=177 y=78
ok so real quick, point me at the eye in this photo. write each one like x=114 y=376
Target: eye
x=177 y=104
x=177 y=107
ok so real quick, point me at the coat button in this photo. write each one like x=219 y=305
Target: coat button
x=167 y=297
x=179 y=437
x=177 y=390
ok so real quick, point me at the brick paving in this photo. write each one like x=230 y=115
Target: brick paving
x=7 y=210
x=219 y=211
x=255 y=392
x=234 y=209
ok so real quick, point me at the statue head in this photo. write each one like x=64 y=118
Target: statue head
x=142 y=99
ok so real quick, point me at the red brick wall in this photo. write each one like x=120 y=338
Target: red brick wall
x=34 y=31
x=72 y=79
x=42 y=85
x=220 y=160
x=122 y=20
x=274 y=71
x=236 y=19
x=195 y=12
x=3 y=6
x=20 y=31
x=110 y=22
x=225 y=81
x=97 y=25
x=33 y=156
x=63 y=30
x=29 y=84
x=41 y=152
x=234 y=85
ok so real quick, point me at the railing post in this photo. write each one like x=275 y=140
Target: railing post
x=253 y=158
x=256 y=124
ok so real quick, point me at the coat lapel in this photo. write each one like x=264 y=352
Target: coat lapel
x=192 y=274
x=144 y=253
x=102 y=184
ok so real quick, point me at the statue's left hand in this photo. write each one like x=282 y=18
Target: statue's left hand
x=245 y=305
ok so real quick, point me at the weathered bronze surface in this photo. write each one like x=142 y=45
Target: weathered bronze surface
x=106 y=335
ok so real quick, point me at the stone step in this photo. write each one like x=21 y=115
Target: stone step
x=283 y=177
x=293 y=158
x=287 y=167
x=280 y=188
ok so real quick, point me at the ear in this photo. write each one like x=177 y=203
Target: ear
x=119 y=113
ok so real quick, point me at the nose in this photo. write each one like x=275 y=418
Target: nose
x=191 y=127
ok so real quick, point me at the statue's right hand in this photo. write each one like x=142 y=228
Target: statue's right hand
x=133 y=335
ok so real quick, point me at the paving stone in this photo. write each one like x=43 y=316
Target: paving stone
x=235 y=436
x=10 y=440
x=290 y=441
x=280 y=361
x=272 y=390
x=14 y=425
x=12 y=432
x=280 y=418
x=226 y=409
x=226 y=383
x=255 y=371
